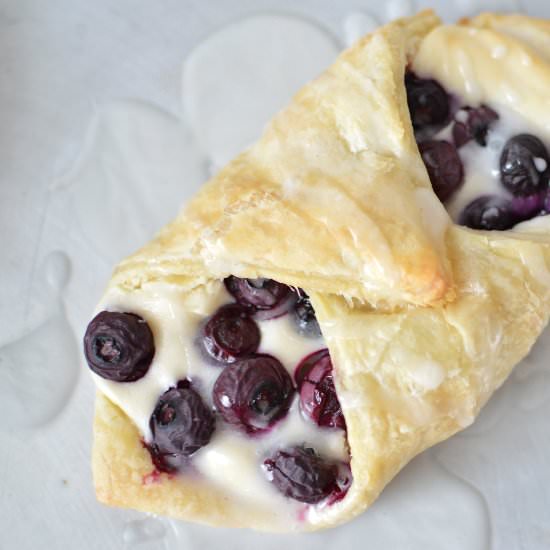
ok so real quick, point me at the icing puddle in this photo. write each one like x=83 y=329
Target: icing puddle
x=425 y=507
x=136 y=166
x=33 y=395
x=231 y=90
x=141 y=532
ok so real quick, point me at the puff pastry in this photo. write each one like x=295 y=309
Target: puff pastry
x=424 y=319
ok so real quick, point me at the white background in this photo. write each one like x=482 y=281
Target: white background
x=486 y=489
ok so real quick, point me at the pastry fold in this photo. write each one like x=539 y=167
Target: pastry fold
x=424 y=320
x=333 y=196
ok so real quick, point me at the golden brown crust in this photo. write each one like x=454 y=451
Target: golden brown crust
x=409 y=380
x=407 y=376
x=335 y=154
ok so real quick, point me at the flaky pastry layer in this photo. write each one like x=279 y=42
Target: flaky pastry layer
x=423 y=319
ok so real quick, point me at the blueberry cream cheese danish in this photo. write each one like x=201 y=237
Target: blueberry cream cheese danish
x=346 y=293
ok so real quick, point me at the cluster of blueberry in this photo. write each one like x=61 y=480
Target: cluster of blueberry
x=524 y=161
x=252 y=392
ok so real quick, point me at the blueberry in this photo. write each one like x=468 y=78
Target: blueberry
x=305 y=318
x=524 y=165
x=475 y=126
x=529 y=206
x=301 y=474
x=119 y=346
x=230 y=334
x=318 y=399
x=253 y=393
x=444 y=167
x=180 y=425
x=489 y=212
x=267 y=298
x=428 y=101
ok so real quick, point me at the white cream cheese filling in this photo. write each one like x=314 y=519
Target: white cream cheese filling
x=467 y=62
x=231 y=460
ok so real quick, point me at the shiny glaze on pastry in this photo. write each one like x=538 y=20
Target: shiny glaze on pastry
x=335 y=199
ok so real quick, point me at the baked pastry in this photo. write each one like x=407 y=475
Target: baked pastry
x=314 y=318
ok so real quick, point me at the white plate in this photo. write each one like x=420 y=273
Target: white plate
x=74 y=201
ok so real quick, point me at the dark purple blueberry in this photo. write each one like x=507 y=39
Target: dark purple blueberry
x=230 y=334
x=475 y=126
x=528 y=207
x=180 y=425
x=428 y=101
x=444 y=167
x=301 y=474
x=489 y=212
x=119 y=346
x=253 y=393
x=304 y=314
x=318 y=399
x=268 y=298
x=524 y=165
